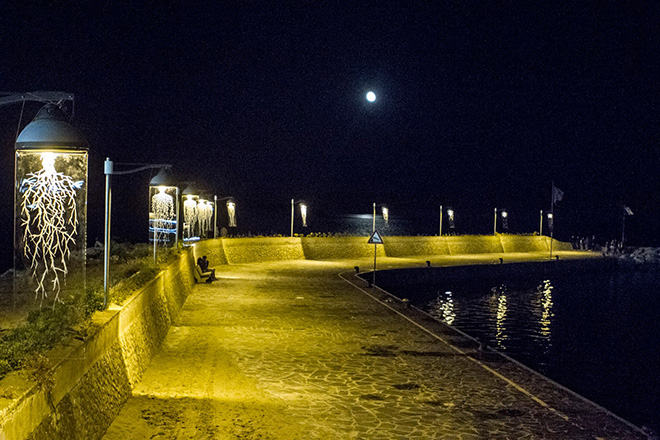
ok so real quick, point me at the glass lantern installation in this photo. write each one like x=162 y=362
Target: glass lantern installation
x=204 y=216
x=231 y=213
x=190 y=215
x=50 y=203
x=163 y=209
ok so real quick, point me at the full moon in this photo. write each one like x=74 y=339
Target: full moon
x=371 y=96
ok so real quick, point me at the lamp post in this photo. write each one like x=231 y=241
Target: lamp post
x=495 y=222
x=440 y=231
x=551 y=224
x=204 y=215
x=386 y=216
x=164 y=209
x=505 y=216
x=50 y=200
x=190 y=213
x=231 y=213
x=541 y=224
x=109 y=171
x=303 y=213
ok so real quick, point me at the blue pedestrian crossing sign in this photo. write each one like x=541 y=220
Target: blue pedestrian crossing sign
x=375 y=238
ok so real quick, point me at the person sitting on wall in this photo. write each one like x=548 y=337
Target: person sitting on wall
x=203 y=264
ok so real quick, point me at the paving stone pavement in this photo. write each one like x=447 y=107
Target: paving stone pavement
x=291 y=350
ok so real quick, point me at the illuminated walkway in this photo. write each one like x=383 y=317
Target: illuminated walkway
x=293 y=351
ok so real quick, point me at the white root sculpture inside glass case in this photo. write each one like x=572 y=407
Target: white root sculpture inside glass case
x=49 y=222
x=162 y=205
x=190 y=215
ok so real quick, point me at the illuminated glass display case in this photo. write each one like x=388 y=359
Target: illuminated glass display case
x=163 y=209
x=50 y=204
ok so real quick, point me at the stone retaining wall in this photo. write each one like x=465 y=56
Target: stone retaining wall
x=94 y=378
x=254 y=250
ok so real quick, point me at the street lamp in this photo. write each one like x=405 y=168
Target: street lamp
x=190 y=214
x=386 y=215
x=50 y=200
x=450 y=219
x=109 y=171
x=505 y=217
x=204 y=215
x=303 y=213
x=163 y=209
x=231 y=213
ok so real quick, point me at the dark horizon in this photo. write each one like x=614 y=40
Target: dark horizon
x=479 y=106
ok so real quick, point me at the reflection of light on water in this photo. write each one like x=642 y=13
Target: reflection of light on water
x=49 y=220
x=445 y=308
x=500 y=316
x=545 y=299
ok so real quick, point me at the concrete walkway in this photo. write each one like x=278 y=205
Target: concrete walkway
x=291 y=350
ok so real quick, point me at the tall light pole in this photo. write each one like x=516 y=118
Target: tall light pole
x=495 y=222
x=231 y=213
x=108 y=168
x=386 y=216
x=303 y=213
x=440 y=231
x=541 y=224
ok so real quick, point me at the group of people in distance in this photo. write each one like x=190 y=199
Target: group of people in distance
x=203 y=264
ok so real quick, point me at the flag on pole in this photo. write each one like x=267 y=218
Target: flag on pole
x=627 y=210
x=557 y=195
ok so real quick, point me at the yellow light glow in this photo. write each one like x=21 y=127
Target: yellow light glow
x=303 y=214
x=386 y=214
x=49 y=221
x=231 y=213
x=505 y=214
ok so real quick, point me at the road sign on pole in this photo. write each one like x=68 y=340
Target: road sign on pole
x=375 y=239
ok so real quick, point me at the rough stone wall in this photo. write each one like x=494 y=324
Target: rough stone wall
x=90 y=407
x=93 y=379
x=213 y=249
x=531 y=243
x=255 y=250
x=413 y=246
x=335 y=248
x=474 y=244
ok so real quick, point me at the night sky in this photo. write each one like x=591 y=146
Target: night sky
x=480 y=104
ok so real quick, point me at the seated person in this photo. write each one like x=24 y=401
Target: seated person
x=203 y=264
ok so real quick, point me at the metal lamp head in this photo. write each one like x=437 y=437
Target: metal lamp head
x=50 y=130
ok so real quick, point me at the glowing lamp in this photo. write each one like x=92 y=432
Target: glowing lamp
x=505 y=219
x=163 y=208
x=303 y=214
x=371 y=96
x=204 y=215
x=190 y=214
x=231 y=213
x=386 y=215
x=50 y=202
x=451 y=218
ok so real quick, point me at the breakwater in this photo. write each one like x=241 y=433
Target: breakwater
x=259 y=249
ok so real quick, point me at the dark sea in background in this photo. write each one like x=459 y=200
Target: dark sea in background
x=596 y=333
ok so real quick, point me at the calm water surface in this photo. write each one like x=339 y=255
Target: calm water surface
x=598 y=334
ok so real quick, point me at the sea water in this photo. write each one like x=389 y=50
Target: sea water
x=595 y=333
